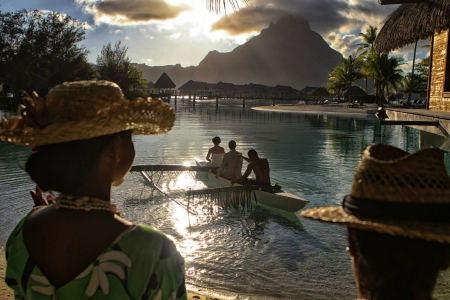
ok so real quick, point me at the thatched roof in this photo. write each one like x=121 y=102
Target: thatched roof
x=224 y=86
x=194 y=86
x=284 y=89
x=412 y=22
x=307 y=89
x=320 y=91
x=164 y=82
x=354 y=91
x=252 y=87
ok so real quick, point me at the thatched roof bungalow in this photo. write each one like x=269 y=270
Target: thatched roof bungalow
x=225 y=87
x=354 y=91
x=164 y=82
x=195 y=86
x=423 y=20
x=304 y=91
x=252 y=90
x=319 y=92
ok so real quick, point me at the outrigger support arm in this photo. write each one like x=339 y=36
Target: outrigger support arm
x=170 y=168
x=153 y=185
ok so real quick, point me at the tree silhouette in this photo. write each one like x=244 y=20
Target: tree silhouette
x=39 y=50
x=113 y=64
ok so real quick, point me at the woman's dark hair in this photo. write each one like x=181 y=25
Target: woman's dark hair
x=63 y=167
x=399 y=265
x=216 y=140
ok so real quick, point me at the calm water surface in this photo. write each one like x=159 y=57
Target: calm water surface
x=262 y=253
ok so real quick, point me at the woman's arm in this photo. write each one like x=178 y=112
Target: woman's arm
x=208 y=155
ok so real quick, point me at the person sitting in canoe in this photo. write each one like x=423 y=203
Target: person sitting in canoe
x=215 y=154
x=259 y=166
x=231 y=163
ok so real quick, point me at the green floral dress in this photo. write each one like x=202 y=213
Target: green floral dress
x=141 y=264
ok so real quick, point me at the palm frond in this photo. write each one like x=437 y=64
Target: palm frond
x=217 y=5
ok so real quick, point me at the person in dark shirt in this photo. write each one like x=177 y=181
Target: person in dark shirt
x=259 y=166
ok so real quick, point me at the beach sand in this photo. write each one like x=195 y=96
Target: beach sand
x=5 y=292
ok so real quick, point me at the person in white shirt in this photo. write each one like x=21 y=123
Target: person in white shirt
x=231 y=166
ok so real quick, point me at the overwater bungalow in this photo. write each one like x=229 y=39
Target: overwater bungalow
x=165 y=87
x=225 y=90
x=253 y=90
x=198 y=89
x=221 y=89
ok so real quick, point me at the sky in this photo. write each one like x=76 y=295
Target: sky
x=169 y=32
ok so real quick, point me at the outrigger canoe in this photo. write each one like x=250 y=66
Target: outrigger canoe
x=278 y=199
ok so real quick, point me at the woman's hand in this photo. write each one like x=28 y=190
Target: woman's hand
x=39 y=199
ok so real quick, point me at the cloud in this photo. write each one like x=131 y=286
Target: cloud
x=130 y=12
x=324 y=16
x=247 y=20
x=175 y=36
x=346 y=44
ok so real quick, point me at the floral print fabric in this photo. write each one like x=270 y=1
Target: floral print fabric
x=142 y=264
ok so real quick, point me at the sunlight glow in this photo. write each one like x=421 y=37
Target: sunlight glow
x=183 y=182
x=186 y=164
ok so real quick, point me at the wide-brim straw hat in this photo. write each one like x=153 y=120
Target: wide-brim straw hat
x=396 y=193
x=83 y=110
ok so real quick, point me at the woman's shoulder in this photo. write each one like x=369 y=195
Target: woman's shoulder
x=145 y=236
x=218 y=150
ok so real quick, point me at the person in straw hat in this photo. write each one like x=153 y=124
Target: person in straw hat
x=78 y=247
x=398 y=221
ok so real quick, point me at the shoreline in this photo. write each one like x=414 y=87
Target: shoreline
x=366 y=110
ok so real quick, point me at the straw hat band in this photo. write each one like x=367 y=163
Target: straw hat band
x=388 y=210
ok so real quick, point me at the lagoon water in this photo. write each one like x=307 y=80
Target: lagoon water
x=262 y=253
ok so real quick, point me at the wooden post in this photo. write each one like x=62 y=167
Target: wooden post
x=193 y=102
x=273 y=102
x=175 y=100
x=217 y=101
x=243 y=102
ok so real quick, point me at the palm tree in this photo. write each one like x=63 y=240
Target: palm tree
x=365 y=48
x=386 y=72
x=369 y=38
x=343 y=76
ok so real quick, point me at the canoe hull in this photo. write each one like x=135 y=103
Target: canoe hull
x=282 y=200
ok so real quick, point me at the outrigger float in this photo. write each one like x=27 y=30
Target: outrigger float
x=220 y=190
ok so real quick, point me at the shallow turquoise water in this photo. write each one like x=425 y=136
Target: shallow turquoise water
x=261 y=253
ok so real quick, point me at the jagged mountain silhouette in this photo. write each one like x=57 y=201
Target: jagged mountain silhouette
x=285 y=53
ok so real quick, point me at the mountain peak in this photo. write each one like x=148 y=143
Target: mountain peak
x=288 y=52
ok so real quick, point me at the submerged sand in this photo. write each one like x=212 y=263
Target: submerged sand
x=332 y=108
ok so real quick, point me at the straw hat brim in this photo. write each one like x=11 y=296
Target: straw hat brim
x=141 y=115
x=435 y=232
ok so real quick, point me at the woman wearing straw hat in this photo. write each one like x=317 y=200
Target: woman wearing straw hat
x=78 y=247
x=398 y=222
